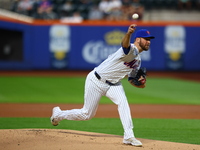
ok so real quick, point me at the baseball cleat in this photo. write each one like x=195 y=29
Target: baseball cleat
x=132 y=141
x=54 y=118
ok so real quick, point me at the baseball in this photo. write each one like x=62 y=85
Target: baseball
x=135 y=16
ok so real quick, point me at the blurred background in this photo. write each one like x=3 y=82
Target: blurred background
x=80 y=34
x=187 y=10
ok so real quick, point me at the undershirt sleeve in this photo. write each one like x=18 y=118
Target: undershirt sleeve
x=126 y=50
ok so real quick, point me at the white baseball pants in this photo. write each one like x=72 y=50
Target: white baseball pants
x=94 y=90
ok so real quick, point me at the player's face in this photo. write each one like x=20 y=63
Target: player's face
x=145 y=43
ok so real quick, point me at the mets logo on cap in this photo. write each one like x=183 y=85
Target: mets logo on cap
x=143 y=33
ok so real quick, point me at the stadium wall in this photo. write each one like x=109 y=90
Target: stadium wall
x=71 y=46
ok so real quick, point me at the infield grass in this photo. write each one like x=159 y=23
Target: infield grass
x=71 y=90
x=174 y=130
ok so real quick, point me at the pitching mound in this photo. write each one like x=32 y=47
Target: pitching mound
x=53 y=139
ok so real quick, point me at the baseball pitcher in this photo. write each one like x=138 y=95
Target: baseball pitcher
x=104 y=80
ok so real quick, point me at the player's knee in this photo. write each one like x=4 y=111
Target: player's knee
x=86 y=115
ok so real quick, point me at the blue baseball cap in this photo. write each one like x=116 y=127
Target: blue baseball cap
x=143 y=33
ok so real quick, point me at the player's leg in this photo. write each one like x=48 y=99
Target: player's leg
x=91 y=101
x=117 y=95
x=92 y=95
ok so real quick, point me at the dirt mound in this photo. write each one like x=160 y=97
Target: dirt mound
x=53 y=139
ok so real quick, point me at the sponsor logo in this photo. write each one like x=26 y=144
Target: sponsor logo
x=175 y=46
x=114 y=37
x=59 y=38
x=94 y=52
x=59 y=45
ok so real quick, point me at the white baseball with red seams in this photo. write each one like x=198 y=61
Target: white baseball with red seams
x=135 y=16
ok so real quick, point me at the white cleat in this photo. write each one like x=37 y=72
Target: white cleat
x=54 y=118
x=132 y=141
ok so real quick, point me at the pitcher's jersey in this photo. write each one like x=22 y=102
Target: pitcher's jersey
x=118 y=65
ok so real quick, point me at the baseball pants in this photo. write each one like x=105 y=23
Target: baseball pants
x=94 y=90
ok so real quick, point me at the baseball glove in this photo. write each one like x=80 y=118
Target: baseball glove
x=140 y=79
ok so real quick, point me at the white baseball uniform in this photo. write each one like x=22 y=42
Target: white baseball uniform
x=104 y=80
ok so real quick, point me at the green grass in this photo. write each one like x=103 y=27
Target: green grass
x=41 y=90
x=174 y=130
x=165 y=91
x=71 y=90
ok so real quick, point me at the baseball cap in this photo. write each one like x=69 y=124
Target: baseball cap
x=143 y=33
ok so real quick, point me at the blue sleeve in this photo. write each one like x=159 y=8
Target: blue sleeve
x=126 y=50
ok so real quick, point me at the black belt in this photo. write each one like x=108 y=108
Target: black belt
x=108 y=82
x=97 y=75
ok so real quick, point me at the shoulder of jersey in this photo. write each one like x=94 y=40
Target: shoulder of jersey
x=135 y=51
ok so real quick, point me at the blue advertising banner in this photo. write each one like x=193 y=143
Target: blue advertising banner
x=82 y=47
x=91 y=45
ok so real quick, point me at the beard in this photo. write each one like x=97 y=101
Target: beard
x=144 y=46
